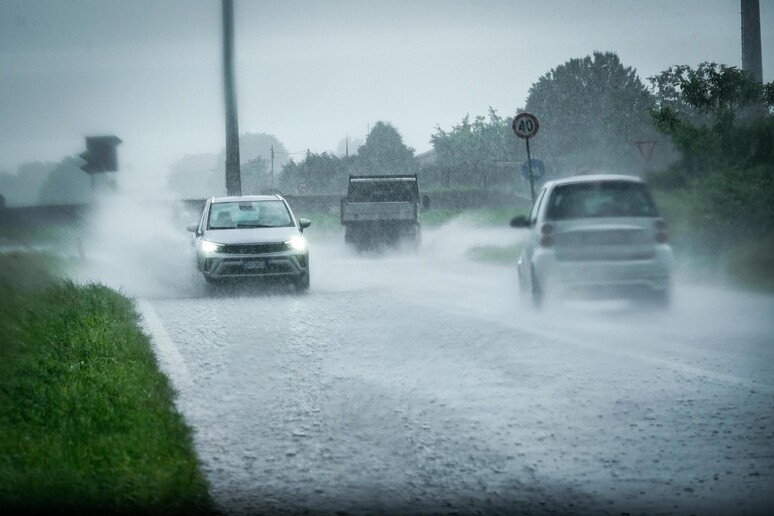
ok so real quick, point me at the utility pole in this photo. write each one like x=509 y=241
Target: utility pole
x=272 y=166
x=751 y=39
x=233 y=174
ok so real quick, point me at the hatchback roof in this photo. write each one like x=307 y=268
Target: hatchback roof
x=592 y=178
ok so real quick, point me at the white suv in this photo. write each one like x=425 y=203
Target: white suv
x=595 y=235
x=251 y=236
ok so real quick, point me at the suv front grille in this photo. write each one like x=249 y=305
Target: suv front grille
x=273 y=247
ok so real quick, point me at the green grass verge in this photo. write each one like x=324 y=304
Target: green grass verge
x=507 y=255
x=435 y=217
x=751 y=264
x=87 y=420
x=748 y=264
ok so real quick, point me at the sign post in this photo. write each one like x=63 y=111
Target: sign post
x=525 y=126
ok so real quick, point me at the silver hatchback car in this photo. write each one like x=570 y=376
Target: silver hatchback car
x=251 y=236
x=595 y=235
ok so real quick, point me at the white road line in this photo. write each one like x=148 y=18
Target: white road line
x=169 y=357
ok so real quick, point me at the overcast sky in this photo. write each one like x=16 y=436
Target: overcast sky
x=311 y=72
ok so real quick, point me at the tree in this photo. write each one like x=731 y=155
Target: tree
x=714 y=114
x=318 y=174
x=382 y=153
x=385 y=153
x=479 y=154
x=67 y=184
x=720 y=118
x=256 y=176
x=592 y=110
x=23 y=187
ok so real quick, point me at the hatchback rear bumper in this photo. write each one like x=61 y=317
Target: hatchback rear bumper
x=605 y=277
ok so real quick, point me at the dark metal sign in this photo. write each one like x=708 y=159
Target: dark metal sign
x=100 y=155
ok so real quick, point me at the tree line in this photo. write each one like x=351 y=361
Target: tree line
x=595 y=115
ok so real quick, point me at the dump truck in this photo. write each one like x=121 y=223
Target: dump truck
x=382 y=211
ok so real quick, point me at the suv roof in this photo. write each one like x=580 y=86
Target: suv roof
x=237 y=198
x=404 y=177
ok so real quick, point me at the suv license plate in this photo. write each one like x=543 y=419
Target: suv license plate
x=255 y=265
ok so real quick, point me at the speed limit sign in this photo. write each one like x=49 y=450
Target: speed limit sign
x=525 y=125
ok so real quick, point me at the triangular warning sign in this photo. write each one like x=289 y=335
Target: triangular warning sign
x=646 y=148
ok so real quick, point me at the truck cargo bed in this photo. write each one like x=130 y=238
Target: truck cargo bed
x=383 y=211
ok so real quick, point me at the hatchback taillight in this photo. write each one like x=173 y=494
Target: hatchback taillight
x=661 y=232
x=547 y=240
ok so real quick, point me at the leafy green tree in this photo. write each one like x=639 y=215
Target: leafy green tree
x=592 y=110
x=714 y=114
x=318 y=174
x=482 y=154
x=385 y=153
x=382 y=153
x=710 y=94
x=721 y=120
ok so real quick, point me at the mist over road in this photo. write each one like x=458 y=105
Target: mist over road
x=418 y=383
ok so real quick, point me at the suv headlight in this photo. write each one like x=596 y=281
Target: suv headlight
x=297 y=243
x=209 y=247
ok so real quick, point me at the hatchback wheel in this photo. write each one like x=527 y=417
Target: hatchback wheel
x=538 y=295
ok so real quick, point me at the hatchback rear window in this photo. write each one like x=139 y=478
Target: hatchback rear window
x=601 y=199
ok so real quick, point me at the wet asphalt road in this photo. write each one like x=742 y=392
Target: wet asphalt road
x=419 y=384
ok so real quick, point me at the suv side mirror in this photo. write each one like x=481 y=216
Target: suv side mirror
x=520 y=222
x=193 y=228
x=425 y=202
x=304 y=223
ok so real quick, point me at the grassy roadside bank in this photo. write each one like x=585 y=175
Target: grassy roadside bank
x=746 y=263
x=87 y=420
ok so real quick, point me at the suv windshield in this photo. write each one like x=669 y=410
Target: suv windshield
x=601 y=199
x=249 y=214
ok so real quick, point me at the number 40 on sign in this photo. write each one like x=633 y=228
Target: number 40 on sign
x=525 y=125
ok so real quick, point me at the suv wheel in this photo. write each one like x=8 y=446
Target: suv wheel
x=302 y=282
x=661 y=299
